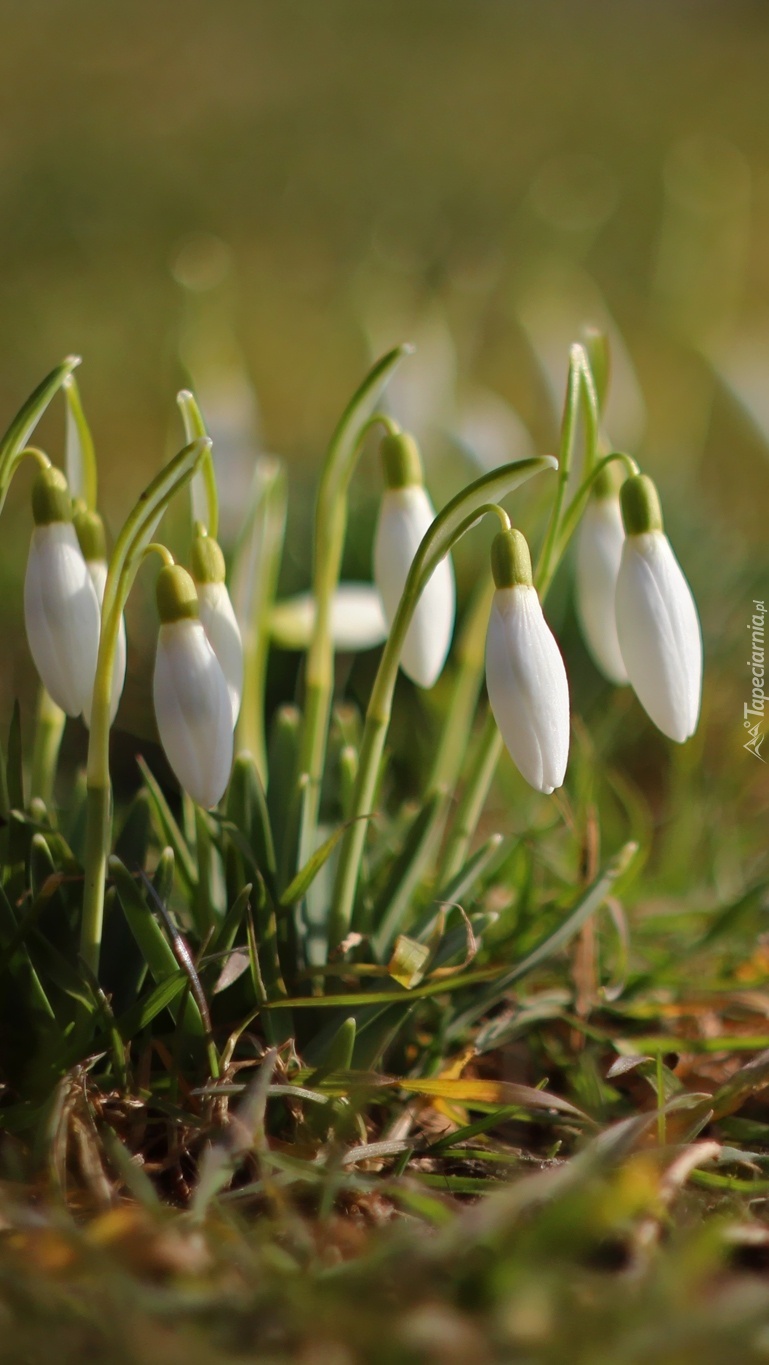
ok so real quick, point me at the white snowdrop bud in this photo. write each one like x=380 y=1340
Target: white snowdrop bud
x=90 y=533
x=192 y=701
x=406 y=513
x=657 y=621
x=357 y=619
x=217 y=614
x=61 y=610
x=599 y=551
x=525 y=674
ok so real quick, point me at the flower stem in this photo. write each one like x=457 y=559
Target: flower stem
x=132 y=542
x=473 y=799
x=254 y=582
x=49 y=728
x=330 y=527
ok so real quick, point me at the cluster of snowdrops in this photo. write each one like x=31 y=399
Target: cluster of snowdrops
x=635 y=606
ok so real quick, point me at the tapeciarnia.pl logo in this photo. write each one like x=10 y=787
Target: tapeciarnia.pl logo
x=754 y=710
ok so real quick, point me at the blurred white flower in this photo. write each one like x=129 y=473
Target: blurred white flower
x=599 y=552
x=657 y=622
x=357 y=619
x=218 y=616
x=406 y=513
x=525 y=674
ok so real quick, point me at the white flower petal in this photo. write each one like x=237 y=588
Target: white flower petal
x=223 y=631
x=599 y=552
x=527 y=686
x=357 y=619
x=405 y=515
x=659 y=634
x=97 y=568
x=61 y=612
x=193 y=710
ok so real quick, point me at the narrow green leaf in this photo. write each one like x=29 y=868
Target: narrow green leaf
x=396 y=898
x=163 y=996
x=247 y=809
x=307 y=874
x=169 y=829
x=14 y=770
x=157 y=951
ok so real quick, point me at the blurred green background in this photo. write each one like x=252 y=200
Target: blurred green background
x=263 y=195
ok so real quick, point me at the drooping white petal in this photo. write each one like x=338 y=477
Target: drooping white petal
x=357 y=619
x=599 y=552
x=223 y=631
x=193 y=710
x=659 y=634
x=528 y=688
x=61 y=612
x=405 y=515
x=97 y=568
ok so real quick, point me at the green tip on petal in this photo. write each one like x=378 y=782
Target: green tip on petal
x=607 y=482
x=401 y=461
x=511 y=560
x=177 y=596
x=207 y=560
x=641 y=511
x=50 y=497
x=90 y=533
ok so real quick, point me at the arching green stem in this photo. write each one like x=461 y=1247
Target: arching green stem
x=134 y=538
x=448 y=527
x=578 y=503
x=195 y=429
x=330 y=528
x=27 y=418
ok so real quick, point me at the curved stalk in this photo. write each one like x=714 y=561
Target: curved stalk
x=330 y=528
x=134 y=538
x=27 y=418
x=449 y=526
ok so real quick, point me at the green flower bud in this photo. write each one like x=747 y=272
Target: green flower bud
x=401 y=461
x=176 y=594
x=90 y=533
x=207 y=560
x=511 y=560
x=51 y=501
x=641 y=511
x=607 y=482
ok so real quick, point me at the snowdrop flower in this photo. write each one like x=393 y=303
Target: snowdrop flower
x=525 y=673
x=61 y=610
x=657 y=622
x=217 y=614
x=192 y=700
x=599 y=551
x=405 y=515
x=357 y=619
x=89 y=528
